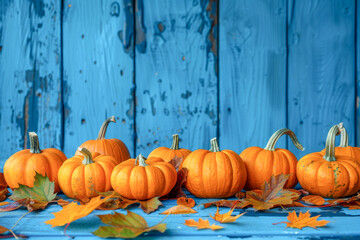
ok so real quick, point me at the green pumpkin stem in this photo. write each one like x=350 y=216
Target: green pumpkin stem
x=141 y=160
x=87 y=156
x=34 y=143
x=104 y=126
x=330 y=143
x=344 y=138
x=275 y=137
x=214 y=145
x=175 y=143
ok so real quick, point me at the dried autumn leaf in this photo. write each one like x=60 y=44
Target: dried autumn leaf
x=313 y=200
x=226 y=217
x=272 y=194
x=125 y=226
x=73 y=212
x=3 y=193
x=4 y=203
x=240 y=195
x=82 y=199
x=179 y=209
x=353 y=205
x=238 y=204
x=150 y=205
x=201 y=224
x=187 y=202
x=10 y=207
x=304 y=220
x=176 y=162
x=3 y=229
x=2 y=181
x=177 y=191
x=32 y=204
x=62 y=202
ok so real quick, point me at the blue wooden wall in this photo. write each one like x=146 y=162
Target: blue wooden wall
x=235 y=69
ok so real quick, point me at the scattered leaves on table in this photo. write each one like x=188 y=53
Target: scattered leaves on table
x=179 y=209
x=187 y=202
x=73 y=211
x=272 y=194
x=177 y=191
x=238 y=204
x=201 y=224
x=226 y=217
x=176 y=162
x=303 y=220
x=313 y=200
x=125 y=226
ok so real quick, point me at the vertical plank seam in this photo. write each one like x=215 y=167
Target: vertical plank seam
x=218 y=70
x=134 y=74
x=356 y=140
x=287 y=71
x=62 y=106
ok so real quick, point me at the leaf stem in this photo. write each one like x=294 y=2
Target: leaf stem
x=67 y=225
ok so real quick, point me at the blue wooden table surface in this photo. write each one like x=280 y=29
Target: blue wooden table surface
x=253 y=225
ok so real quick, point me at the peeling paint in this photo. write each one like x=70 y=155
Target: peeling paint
x=39 y=8
x=131 y=102
x=126 y=35
x=140 y=40
x=186 y=95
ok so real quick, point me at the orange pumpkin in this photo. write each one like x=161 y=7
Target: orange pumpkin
x=110 y=147
x=214 y=173
x=262 y=163
x=141 y=180
x=328 y=174
x=20 y=168
x=169 y=153
x=86 y=175
x=344 y=148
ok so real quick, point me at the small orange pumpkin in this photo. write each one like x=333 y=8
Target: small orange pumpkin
x=86 y=175
x=20 y=168
x=140 y=180
x=344 y=148
x=262 y=163
x=214 y=173
x=328 y=174
x=169 y=153
x=110 y=147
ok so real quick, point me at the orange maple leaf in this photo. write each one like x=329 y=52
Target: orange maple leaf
x=303 y=220
x=313 y=200
x=226 y=217
x=73 y=211
x=202 y=224
x=179 y=209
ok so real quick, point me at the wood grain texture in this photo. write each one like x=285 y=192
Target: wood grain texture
x=357 y=80
x=252 y=72
x=176 y=82
x=30 y=98
x=321 y=71
x=98 y=71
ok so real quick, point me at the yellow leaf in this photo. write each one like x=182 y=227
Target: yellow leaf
x=73 y=211
x=179 y=209
x=304 y=220
x=202 y=224
x=226 y=217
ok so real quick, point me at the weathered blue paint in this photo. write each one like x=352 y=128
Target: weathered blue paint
x=176 y=83
x=252 y=72
x=321 y=70
x=357 y=79
x=29 y=74
x=98 y=71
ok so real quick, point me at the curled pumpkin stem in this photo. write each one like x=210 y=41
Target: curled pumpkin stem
x=34 y=143
x=175 y=143
x=87 y=156
x=330 y=143
x=104 y=126
x=141 y=160
x=344 y=138
x=275 y=137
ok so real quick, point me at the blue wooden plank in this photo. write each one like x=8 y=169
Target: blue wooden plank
x=252 y=72
x=321 y=88
x=30 y=94
x=176 y=82
x=98 y=71
x=357 y=86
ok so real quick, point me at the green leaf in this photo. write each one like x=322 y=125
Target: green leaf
x=125 y=226
x=40 y=194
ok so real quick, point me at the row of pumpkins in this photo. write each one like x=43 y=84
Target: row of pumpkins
x=104 y=164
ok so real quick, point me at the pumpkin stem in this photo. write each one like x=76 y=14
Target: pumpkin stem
x=34 y=143
x=330 y=143
x=344 y=138
x=214 y=145
x=141 y=160
x=175 y=143
x=275 y=137
x=104 y=126
x=87 y=156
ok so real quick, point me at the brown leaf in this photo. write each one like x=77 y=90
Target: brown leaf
x=294 y=204
x=201 y=224
x=226 y=217
x=10 y=207
x=150 y=205
x=303 y=192
x=2 y=181
x=352 y=205
x=3 y=229
x=295 y=191
x=240 y=195
x=238 y=204
x=188 y=202
x=177 y=192
x=82 y=199
x=3 y=193
x=32 y=204
x=62 y=202
x=179 y=209
x=304 y=220
x=271 y=194
x=176 y=162
x=313 y=200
